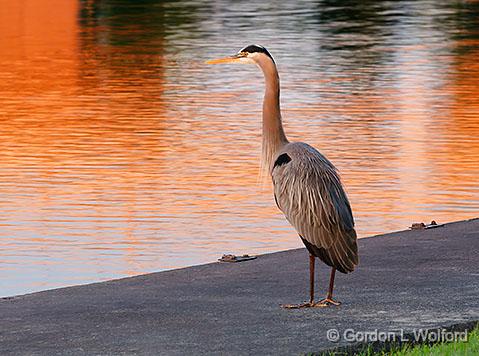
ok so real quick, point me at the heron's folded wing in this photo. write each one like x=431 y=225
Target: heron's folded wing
x=309 y=192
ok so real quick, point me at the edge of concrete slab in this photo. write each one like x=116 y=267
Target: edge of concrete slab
x=210 y=263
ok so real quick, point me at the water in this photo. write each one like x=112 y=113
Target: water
x=122 y=153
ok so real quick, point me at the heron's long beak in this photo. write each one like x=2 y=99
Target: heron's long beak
x=231 y=59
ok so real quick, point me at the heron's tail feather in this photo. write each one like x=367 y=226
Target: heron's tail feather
x=342 y=255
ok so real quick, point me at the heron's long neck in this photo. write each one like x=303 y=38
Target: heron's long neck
x=273 y=134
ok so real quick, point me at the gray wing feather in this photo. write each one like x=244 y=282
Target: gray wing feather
x=309 y=192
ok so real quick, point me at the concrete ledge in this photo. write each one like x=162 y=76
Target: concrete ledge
x=406 y=280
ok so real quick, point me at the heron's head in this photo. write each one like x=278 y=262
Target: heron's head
x=252 y=54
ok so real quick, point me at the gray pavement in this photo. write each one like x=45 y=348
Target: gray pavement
x=405 y=280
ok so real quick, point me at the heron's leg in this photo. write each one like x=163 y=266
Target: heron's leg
x=329 y=298
x=311 y=288
x=311 y=278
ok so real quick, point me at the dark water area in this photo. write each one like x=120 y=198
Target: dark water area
x=123 y=153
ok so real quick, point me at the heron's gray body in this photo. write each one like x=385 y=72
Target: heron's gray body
x=308 y=190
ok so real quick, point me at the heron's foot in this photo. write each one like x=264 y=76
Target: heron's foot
x=327 y=302
x=297 y=306
x=303 y=305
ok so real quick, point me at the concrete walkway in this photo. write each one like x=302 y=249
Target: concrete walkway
x=409 y=279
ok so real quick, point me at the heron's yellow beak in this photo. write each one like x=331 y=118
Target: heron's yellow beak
x=231 y=59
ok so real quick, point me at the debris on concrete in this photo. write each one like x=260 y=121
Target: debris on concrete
x=422 y=226
x=234 y=258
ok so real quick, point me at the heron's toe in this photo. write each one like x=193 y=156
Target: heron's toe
x=297 y=306
x=326 y=302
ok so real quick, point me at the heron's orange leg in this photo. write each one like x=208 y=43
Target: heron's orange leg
x=311 y=289
x=328 y=301
x=311 y=278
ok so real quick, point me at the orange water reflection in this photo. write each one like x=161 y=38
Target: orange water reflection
x=121 y=153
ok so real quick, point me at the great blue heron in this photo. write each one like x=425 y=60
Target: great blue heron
x=307 y=188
